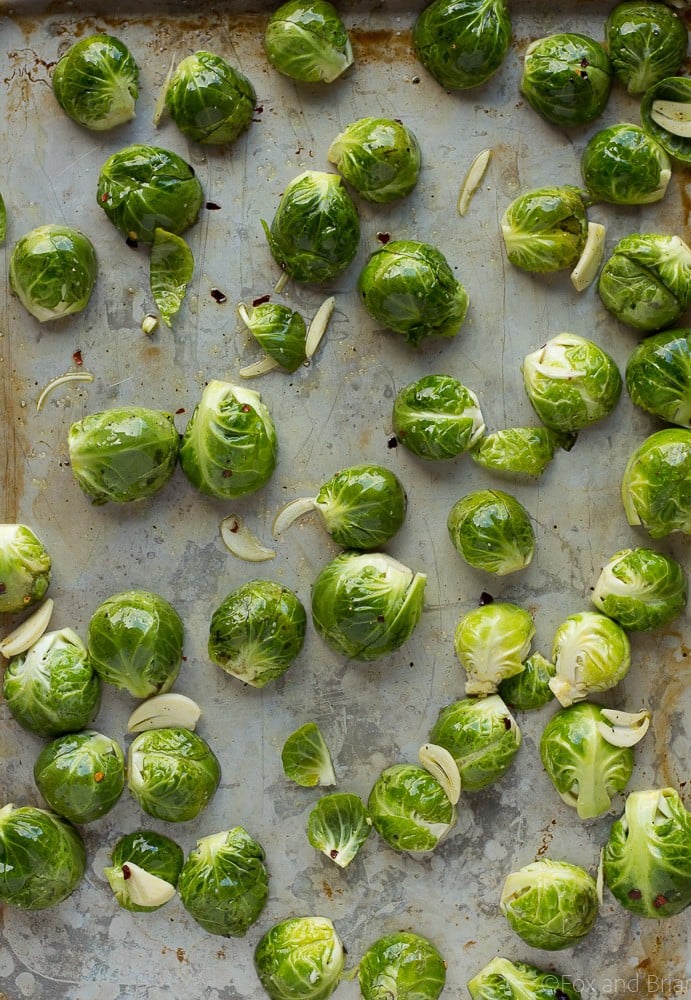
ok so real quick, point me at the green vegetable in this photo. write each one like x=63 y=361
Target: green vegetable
x=529 y=689
x=307 y=41
x=658 y=376
x=520 y=451
x=566 y=78
x=666 y=113
x=591 y=653
x=155 y=853
x=280 y=331
x=53 y=271
x=96 y=82
x=229 y=447
x=315 y=232
x=646 y=283
x=124 y=454
x=624 y=165
x=224 y=883
x=409 y=808
x=306 y=759
x=42 y=857
x=410 y=288
x=403 y=966
x=656 y=485
x=545 y=230
x=379 y=157
x=481 y=735
x=504 y=980
x=365 y=605
x=172 y=773
x=300 y=958
x=25 y=567
x=338 y=826
x=170 y=271
x=492 y=531
x=492 y=642
x=550 y=904
x=647 y=857
x=646 y=42
x=436 y=417
x=209 y=100
x=641 y=589
x=144 y=188
x=135 y=642
x=81 y=775
x=462 y=43
x=257 y=632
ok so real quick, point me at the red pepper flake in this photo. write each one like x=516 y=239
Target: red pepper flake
x=383 y=238
x=333 y=854
x=77 y=358
x=227 y=473
x=659 y=901
x=259 y=109
x=218 y=295
x=126 y=873
x=3 y=588
x=104 y=196
x=99 y=776
x=507 y=723
x=246 y=408
x=261 y=300
x=380 y=618
x=181 y=409
x=635 y=894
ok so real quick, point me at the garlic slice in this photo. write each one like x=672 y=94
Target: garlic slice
x=473 y=179
x=30 y=631
x=281 y=283
x=318 y=326
x=145 y=889
x=673 y=117
x=160 y=105
x=588 y=264
x=291 y=512
x=61 y=380
x=441 y=765
x=600 y=878
x=164 y=710
x=239 y=540
x=626 y=729
x=261 y=367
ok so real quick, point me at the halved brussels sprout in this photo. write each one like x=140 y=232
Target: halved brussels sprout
x=656 y=485
x=646 y=283
x=209 y=100
x=365 y=605
x=81 y=775
x=42 y=857
x=482 y=737
x=546 y=229
x=436 y=417
x=280 y=331
x=410 y=809
x=171 y=266
x=404 y=966
x=492 y=642
x=25 y=567
x=529 y=689
x=520 y=451
x=306 y=758
x=624 y=165
x=257 y=632
x=410 y=288
x=96 y=82
x=53 y=271
x=646 y=42
x=379 y=157
x=658 y=376
x=666 y=114
x=300 y=958
x=502 y=979
x=338 y=826
x=492 y=531
x=172 y=773
x=641 y=589
x=591 y=653
x=566 y=78
x=307 y=41
x=157 y=856
x=462 y=43
x=550 y=904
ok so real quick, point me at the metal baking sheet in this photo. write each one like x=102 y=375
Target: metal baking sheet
x=334 y=413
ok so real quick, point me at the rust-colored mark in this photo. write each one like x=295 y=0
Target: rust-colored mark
x=180 y=955
x=328 y=891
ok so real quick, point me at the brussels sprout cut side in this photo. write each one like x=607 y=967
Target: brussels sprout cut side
x=402 y=965
x=300 y=958
x=641 y=589
x=622 y=164
x=502 y=979
x=566 y=78
x=550 y=904
x=25 y=567
x=338 y=826
x=81 y=775
x=209 y=100
x=42 y=857
x=307 y=41
x=410 y=809
x=172 y=773
x=646 y=42
x=144 y=871
x=591 y=653
x=666 y=114
x=462 y=43
x=492 y=641
x=379 y=157
x=96 y=82
x=492 y=531
x=546 y=229
x=658 y=376
x=306 y=758
x=437 y=417
x=53 y=271
x=482 y=737
x=656 y=485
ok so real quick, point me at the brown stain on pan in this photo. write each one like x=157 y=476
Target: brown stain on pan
x=382 y=45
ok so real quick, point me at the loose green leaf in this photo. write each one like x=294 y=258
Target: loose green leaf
x=171 y=269
x=306 y=759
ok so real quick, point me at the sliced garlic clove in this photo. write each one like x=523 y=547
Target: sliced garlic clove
x=563 y=690
x=626 y=729
x=239 y=540
x=673 y=117
x=473 y=179
x=61 y=380
x=145 y=889
x=30 y=631
x=261 y=367
x=164 y=710
x=160 y=103
x=600 y=879
x=291 y=512
x=318 y=326
x=588 y=265
x=441 y=765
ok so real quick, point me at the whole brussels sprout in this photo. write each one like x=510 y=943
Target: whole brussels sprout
x=545 y=230
x=529 y=689
x=143 y=188
x=402 y=965
x=504 y=980
x=482 y=737
x=492 y=531
x=410 y=288
x=209 y=100
x=492 y=642
x=280 y=331
x=520 y=451
x=379 y=157
x=410 y=809
x=646 y=43
x=338 y=826
x=656 y=485
x=135 y=642
x=154 y=860
x=315 y=231
x=42 y=857
x=646 y=283
x=123 y=454
x=52 y=688
x=550 y=904
x=658 y=376
x=624 y=165
x=436 y=417
x=300 y=958
x=307 y=41
x=365 y=605
x=566 y=78
x=96 y=82
x=462 y=43
x=81 y=775
x=641 y=589
x=25 y=567
x=666 y=114
x=53 y=271
x=172 y=773
x=590 y=653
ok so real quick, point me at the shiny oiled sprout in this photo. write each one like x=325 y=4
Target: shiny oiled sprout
x=641 y=589
x=25 y=568
x=624 y=165
x=279 y=330
x=42 y=857
x=403 y=965
x=81 y=775
x=546 y=229
x=529 y=689
x=436 y=417
x=144 y=870
x=172 y=773
x=502 y=979
x=209 y=100
x=566 y=78
x=492 y=642
x=53 y=271
x=301 y=958
x=656 y=485
x=171 y=267
x=306 y=759
x=646 y=43
x=379 y=157
x=520 y=451
x=307 y=41
x=591 y=653
x=338 y=826
x=410 y=809
x=550 y=904
x=492 y=531
x=658 y=376
x=28 y=632
x=666 y=115
x=482 y=737
x=96 y=82
x=462 y=43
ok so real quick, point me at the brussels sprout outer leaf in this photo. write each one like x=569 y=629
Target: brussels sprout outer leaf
x=338 y=826
x=154 y=853
x=53 y=271
x=209 y=100
x=171 y=269
x=502 y=979
x=25 y=568
x=379 y=157
x=307 y=41
x=462 y=43
x=658 y=376
x=492 y=531
x=481 y=735
x=656 y=485
x=641 y=589
x=362 y=506
x=436 y=417
x=646 y=43
x=42 y=857
x=566 y=78
x=409 y=808
x=172 y=773
x=550 y=904
x=81 y=775
x=306 y=758
x=402 y=965
x=96 y=82
x=300 y=958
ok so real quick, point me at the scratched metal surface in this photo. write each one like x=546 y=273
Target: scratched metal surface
x=329 y=415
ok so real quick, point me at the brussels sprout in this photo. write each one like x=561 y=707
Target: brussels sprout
x=481 y=735
x=492 y=531
x=647 y=858
x=306 y=758
x=144 y=188
x=42 y=857
x=53 y=688
x=124 y=454
x=209 y=100
x=410 y=809
x=170 y=271
x=624 y=165
x=224 y=883
x=156 y=855
x=307 y=41
x=81 y=775
x=504 y=980
x=520 y=451
x=666 y=114
x=172 y=773
x=379 y=157
x=550 y=904
x=566 y=78
x=492 y=641
x=646 y=283
x=53 y=271
x=257 y=632
x=462 y=43
x=280 y=331
x=300 y=958
x=656 y=485
x=571 y=382
x=96 y=82
x=410 y=288
x=641 y=589
x=403 y=966
x=365 y=605
x=25 y=566
x=436 y=417
x=545 y=230
x=590 y=653
x=646 y=43
x=315 y=231
x=338 y=826
x=658 y=376
x=529 y=689
x=229 y=447
x=135 y=641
